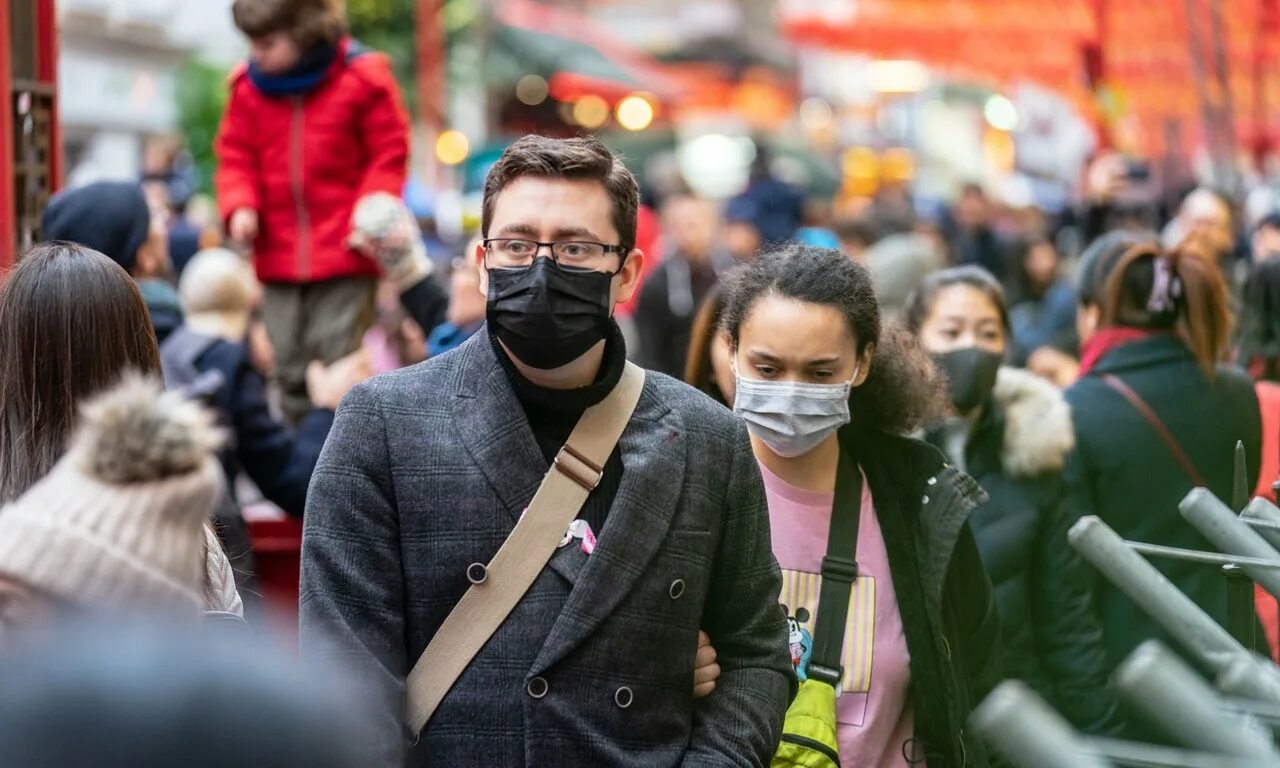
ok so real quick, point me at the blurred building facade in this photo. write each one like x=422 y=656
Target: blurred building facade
x=118 y=78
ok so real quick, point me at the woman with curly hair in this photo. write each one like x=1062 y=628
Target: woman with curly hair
x=828 y=396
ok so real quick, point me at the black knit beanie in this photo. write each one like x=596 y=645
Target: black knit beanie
x=109 y=216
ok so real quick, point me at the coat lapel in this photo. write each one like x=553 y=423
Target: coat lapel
x=653 y=460
x=493 y=426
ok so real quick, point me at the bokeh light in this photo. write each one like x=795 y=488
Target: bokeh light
x=531 y=90
x=635 y=112
x=815 y=113
x=452 y=147
x=590 y=111
x=1000 y=113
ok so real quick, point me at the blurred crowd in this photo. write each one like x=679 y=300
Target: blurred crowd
x=168 y=360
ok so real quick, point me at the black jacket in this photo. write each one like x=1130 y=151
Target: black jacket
x=1050 y=632
x=669 y=299
x=1122 y=472
x=278 y=460
x=944 y=595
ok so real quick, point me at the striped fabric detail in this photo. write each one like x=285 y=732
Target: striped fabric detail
x=801 y=590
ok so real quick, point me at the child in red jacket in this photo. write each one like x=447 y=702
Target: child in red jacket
x=314 y=123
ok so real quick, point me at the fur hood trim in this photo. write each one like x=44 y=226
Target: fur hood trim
x=1038 y=433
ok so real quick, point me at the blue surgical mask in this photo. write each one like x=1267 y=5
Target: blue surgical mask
x=790 y=417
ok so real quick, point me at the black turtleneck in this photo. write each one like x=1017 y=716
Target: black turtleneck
x=553 y=413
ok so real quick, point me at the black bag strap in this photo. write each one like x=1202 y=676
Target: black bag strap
x=839 y=572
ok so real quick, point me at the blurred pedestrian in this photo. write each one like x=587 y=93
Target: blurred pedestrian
x=208 y=358
x=118 y=526
x=673 y=292
x=856 y=237
x=1206 y=215
x=826 y=395
x=314 y=124
x=1011 y=432
x=1155 y=413
x=777 y=206
x=466 y=303
x=165 y=698
x=428 y=471
x=973 y=236
x=1265 y=243
x=74 y=325
x=114 y=218
x=1042 y=302
x=1257 y=341
x=709 y=368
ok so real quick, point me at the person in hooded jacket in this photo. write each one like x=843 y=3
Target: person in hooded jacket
x=1155 y=414
x=1011 y=433
x=827 y=394
x=115 y=219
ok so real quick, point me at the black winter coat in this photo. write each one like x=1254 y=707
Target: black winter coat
x=1050 y=633
x=944 y=595
x=1122 y=472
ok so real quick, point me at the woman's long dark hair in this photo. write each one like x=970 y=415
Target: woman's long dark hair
x=903 y=391
x=73 y=322
x=698 y=371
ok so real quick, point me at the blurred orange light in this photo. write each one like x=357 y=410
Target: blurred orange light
x=635 y=112
x=590 y=111
x=452 y=147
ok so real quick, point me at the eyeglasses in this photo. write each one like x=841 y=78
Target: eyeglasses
x=510 y=253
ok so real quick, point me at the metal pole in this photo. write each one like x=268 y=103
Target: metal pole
x=1027 y=731
x=1168 y=693
x=1169 y=606
x=1222 y=527
x=1156 y=756
x=1200 y=556
x=1155 y=594
x=1240 y=479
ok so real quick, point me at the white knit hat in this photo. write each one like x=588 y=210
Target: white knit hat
x=119 y=521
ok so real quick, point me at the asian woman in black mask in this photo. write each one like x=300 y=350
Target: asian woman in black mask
x=1012 y=432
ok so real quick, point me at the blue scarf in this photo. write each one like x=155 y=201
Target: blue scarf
x=302 y=78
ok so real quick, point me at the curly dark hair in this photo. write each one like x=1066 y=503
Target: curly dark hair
x=903 y=390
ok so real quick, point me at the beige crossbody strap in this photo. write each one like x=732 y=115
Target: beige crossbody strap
x=497 y=588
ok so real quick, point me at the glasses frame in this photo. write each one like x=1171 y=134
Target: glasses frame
x=551 y=249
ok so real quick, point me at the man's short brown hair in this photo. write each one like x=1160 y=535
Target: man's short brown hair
x=308 y=22
x=581 y=159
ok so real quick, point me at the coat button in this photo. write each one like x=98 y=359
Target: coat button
x=677 y=589
x=477 y=573
x=623 y=697
x=932 y=481
x=537 y=688
x=925 y=500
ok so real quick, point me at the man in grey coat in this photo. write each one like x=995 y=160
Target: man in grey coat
x=428 y=469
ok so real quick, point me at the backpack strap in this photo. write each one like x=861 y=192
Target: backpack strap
x=1166 y=437
x=839 y=572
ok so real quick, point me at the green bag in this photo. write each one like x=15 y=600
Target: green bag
x=809 y=730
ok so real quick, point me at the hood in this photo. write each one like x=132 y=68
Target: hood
x=1037 y=424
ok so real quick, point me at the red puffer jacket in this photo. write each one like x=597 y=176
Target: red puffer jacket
x=302 y=162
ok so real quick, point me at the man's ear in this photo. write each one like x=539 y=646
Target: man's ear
x=628 y=280
x=484 y=272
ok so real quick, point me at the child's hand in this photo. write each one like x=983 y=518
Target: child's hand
x=244 y=225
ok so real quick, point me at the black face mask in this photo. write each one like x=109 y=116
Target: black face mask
x=546 y=315
x=971 y=375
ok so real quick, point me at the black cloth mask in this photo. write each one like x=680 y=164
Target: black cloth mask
x=971 y=375
x=546 y=315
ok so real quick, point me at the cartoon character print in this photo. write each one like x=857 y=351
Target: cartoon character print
x=800 y=640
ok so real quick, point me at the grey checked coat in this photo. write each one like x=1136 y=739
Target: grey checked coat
x=427 y=470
